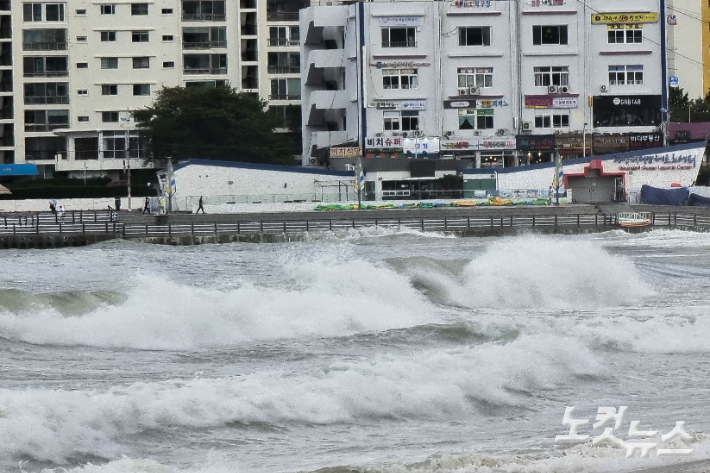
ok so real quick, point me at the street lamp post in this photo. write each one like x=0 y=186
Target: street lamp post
x=584 y=140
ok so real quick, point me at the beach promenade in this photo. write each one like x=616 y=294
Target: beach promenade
x=79 y=228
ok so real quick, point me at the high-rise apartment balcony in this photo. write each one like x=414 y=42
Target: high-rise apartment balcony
x=282 y=16
x=205 y=45
x=46 y=99
x=203 y=10
x=45 y=46
x=206 y=70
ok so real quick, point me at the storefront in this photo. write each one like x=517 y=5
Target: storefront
x=536 y=149
x=627 y=110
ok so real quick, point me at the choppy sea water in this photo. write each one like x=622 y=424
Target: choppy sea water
x=366 y=351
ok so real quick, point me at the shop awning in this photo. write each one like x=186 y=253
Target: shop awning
x=18 y=170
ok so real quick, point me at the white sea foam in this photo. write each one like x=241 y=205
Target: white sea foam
x=427 y=384
x=326 y=299
x=543 y=272
x=581 y=458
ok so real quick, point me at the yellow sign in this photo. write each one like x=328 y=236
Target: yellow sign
x=347 y=152
x=606 y=18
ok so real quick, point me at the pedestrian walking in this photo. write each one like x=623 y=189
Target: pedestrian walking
x=146 y=206
x=53 y=206
x=200 y=206
x=60 y=211
x=161 y=203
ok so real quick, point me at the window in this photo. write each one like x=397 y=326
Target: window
x=400 y=79
x=139 y=8
x=81 y=39
x=284 y=63
x=38 y=66
x=83 y=118
x=81 y=11
x=108 y=9
x=475 y=36
x=285 y=89
x=32 y=12
x=46 y=120
x=108 y=36
x=392 y=121
x=141 y=89
x=44 y=40
x=139 y=36
x=82 y=65
x=82 y=92
x=46 y=93
x=54 y=12
x=284 y=35
x=167 y=37
x=410 y=121
x=108 y=117
x=550 y=34
x=542 y=121
x=628 y=75
x=545 y=76
x=167 y=11
x=625 y=34
x=109 y=63
x=109 y=89
x=554 y=121
x=168 y=64
x=475 y=77
x=484 y=119
x=141 y=62
x=399 y=38
x=405 y=121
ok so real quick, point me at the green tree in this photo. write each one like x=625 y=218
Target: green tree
x=213 y=123
x=700 y=109
x=678 y=105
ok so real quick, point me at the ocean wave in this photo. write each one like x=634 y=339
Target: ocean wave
x=319 y=299
x=454 y=384
x=538 y=272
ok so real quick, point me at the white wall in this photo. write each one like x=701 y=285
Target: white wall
x=637 y=172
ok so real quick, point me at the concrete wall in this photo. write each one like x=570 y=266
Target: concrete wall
x=655 y=169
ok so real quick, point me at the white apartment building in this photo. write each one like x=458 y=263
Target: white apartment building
x=500 y=83
x=689 y=46
x=71 y=73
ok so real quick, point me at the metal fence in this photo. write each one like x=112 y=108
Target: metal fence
x=103 y=223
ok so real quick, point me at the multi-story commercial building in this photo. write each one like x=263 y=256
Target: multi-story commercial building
x=496 y=82
x=689 y=46
x=71 y=73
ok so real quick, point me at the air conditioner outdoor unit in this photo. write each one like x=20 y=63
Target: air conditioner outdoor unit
x=475 y=91
x=378 y=134
x=313 y=161
x=463 y=90
x=527 y=126
x=395 y=133
x=404 y=135
x=552 y=89
x=477 y=133
x=604 y=88
x=449 y=133
x=565 y=89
